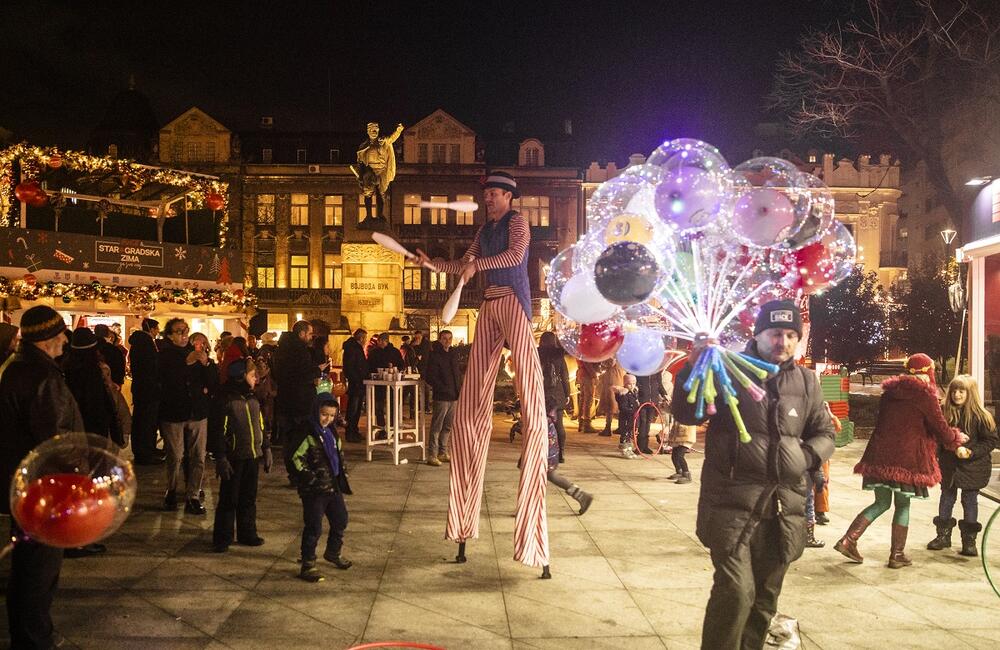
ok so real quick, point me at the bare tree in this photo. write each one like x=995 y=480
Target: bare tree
x=900 y=72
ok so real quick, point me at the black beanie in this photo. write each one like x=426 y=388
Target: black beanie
x=41 y=323
x=83 y=339
x=778 y=313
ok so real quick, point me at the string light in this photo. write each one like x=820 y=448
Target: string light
x=34 y=160
x=138 y=299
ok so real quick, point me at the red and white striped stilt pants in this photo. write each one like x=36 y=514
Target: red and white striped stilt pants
x=501 y=319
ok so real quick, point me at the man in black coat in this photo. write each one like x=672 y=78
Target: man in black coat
x=144 y=362
x=383 y=355
x=355 y=372
x=35 y=404
x=296 y=376
x=751 y=510
x=444 y=377
x=112 y=354
x=650 y=390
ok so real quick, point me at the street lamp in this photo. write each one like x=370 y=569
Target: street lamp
x=948 y=235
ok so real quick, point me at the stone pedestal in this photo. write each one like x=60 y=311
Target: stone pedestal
x=372 y=293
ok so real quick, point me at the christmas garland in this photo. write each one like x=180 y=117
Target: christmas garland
x=34 y=160
x=138 y=299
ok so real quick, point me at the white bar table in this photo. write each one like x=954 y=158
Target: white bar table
x=395 y=428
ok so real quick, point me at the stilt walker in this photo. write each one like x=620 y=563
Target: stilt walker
x=500 y=250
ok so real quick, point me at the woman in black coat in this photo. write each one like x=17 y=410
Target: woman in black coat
x=555 y=381
x=86 y=375
x=968 y=468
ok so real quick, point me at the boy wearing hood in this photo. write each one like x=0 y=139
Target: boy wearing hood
x=238 y=441
x=318 y=471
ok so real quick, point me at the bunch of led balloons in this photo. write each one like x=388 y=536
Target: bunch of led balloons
x=684 y=246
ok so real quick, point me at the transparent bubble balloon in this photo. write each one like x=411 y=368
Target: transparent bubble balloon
x=627 y=273
x=631 y=191
x=591 y=342
x=843 y=251
x=821 y=215
x=773 y=201
x=696 y=187
x=642 y=352
x=824 y=263
x=72 y=490
x=574 y=293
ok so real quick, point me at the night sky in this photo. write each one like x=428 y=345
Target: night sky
x=628 y=74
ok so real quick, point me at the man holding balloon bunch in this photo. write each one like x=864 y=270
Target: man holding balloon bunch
x=751 y=511
x=500 y=250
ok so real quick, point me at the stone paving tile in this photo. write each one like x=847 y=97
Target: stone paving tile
x=628 y=574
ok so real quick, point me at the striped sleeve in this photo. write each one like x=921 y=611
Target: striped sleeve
x=517 y=247
x=457 y=266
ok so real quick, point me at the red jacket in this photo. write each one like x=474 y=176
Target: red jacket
x=903 y=447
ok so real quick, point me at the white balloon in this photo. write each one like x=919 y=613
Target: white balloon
x=764 y=217
x=582 y=302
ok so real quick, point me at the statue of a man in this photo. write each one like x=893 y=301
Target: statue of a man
x=376 y=169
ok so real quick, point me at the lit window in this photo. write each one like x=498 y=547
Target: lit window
x=333 y=210
x=300 y=210
x=812 y=157
x=439 y=281
x=113 y=150
x=331 y=271
x=438 y=153
x=210 y=151
x=300 y=156
x=193 y=151
x=455 y=154
x=534 y=208
x=299 y=272
x=411 y=278
x=464 y=218
x=531 y=157
x=439 y=215
x=411 y=209
x=265 y=208
x=265 y=277
x=422 y=152
x=177 y=152
x=265 y=156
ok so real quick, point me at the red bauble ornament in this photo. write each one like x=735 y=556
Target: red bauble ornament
x=214 y=201
x=30 y=279
x=31 y=192
x=599 y=341
x=65 y=510
x=55 y=161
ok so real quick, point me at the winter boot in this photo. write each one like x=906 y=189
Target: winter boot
x=848 y=544
x=811 y=540
x=685 y=477
x=676 y=475
x=310 y=573
x=898 y=559
x=943 y=539
x=969 y=530
x=583 y=498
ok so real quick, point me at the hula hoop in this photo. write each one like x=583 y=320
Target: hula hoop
x=396 y=644
x=982 y=554
x=663 y=425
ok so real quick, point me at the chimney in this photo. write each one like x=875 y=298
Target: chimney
x=267 y=122
x=568 y=127
x=636 y=159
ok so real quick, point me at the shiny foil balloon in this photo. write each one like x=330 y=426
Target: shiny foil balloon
x=626 y=273
x=574 y=293
x=642 y=352
x=72 y=490
x=696 y=187
x=593 y=342
x=773 y=201
x=629 y=227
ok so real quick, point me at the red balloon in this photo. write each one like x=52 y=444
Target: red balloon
x=599 y=341
x=65 y=510
x=214 y=201
x=809 y=267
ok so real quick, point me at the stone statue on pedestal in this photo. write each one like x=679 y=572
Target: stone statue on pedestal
x=375 y=170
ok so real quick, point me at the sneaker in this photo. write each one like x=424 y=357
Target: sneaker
x=194 y=507
x=433 y=461
x=310 y=573
x=170 y=501
x=674 y=476
x=444 y=457
x=339 y=562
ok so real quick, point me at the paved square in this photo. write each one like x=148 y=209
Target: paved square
x=628 y=574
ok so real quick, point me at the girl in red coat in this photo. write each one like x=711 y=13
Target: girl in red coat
x=900 y=461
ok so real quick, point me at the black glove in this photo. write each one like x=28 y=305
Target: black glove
x=268 y=460
x=818 y=479
x=813 y=461
x=305 y=478
x=223 y=469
